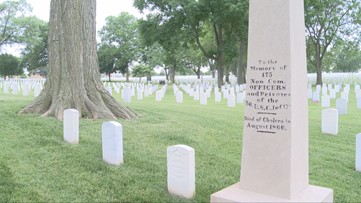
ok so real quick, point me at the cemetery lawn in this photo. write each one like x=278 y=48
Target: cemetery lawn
x=36 y=165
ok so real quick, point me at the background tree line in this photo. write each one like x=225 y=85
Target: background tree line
x=184 y=36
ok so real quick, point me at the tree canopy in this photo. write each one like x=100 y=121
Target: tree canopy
x=9 y=65
x=326 y=22
x=119 y=45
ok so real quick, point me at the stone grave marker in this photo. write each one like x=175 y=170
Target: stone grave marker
x=329 y=86
x=240 y=98
x=139 y=94
x=341 y=106
x=158 y=95
x=344 y=95
x=333 y=94
x=15 y=88
x=26 y=89
x=330 y=121
x=181 y=171
x=316 y=97
x=127 y=95
x=112 y=142
x=203 y=98
x=179 y=97
x=71 y=126
x=324 y=90
x=6 y=87
x=275 y=134
x=325 y=101
x=231 y=100
x=196 y=95
x=37 y=89
x=217 y=97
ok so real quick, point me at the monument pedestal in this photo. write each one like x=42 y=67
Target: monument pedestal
x=234 y=193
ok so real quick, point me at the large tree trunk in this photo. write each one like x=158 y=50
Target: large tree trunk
x=318 y=64
x=74 y=79
x=172 y=74
x=241 y=69
x=219 y=61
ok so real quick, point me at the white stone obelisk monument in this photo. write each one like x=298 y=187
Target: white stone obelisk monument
x=274 y=165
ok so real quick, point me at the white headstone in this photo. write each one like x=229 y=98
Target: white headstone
x=231 y=100
x=71 y=126
x=181 y=170
x=6 y=87
x=139 y=94
x=179 y=97
x=344 y=95
x=158 y=95
x=325 y=101
x=37 y=89
x=330 y=121
x=25 y=89
x=196 y=96
x=358 y=152
x=275 y=133
x=203 y=98
x=112 y=142
x=316 y=97
x=127 y=95
x=240 y=97
x=217 y=97
x=15 y=88
x=341 y=106
x=324 y=90
x=333 y=94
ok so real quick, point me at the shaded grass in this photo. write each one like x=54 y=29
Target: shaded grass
x=36 y=165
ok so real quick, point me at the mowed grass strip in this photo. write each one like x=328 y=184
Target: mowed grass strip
x=36 y=165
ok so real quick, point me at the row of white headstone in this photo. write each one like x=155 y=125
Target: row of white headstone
x=22 y=86
x=201 y=94
x=180 y=158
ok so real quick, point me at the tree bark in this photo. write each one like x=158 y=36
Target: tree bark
x=74 y=79
x=241 y=69
x=172 y=74
x=219 y=59
x=318 y=66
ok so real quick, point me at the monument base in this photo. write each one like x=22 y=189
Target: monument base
x=234 y=193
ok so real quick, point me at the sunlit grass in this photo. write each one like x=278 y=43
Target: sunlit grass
x=37 y=165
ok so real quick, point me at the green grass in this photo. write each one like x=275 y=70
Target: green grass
x=36 y=165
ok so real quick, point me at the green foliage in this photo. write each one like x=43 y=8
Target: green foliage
x=347 y=57
x=35 y=54
x=141 y=70
x=119 y=38
x=108 y=57
x=328 y=21
x=9 y=65
x=14 y=26
x=211 y=25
